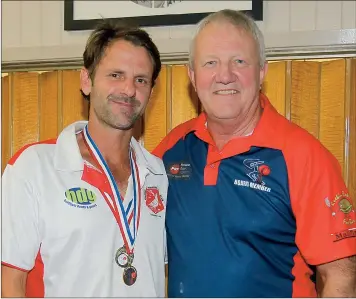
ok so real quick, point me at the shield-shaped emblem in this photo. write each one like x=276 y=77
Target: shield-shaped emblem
x=154 y=200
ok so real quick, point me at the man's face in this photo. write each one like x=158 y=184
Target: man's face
x=122 y=85
x=226 y=71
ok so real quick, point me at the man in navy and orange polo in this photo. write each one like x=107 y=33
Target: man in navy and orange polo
x=256 y=205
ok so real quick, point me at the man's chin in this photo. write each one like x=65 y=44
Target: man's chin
x=124 y=126
x=224 y=116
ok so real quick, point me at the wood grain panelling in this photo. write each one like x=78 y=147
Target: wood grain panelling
x=74 y=107
x=155 y=117
x=138 y=129
x=25 y=123
x=274 y=86
x=305 y=95
x=6 y=117
x=48 y=105
x=332 y=107
x=185 y=104
x=350 y=112
x=320 y=96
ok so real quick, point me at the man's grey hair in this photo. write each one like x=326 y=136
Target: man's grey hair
x=236 y=18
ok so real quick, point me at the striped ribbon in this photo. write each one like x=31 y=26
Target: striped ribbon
x=123 y=217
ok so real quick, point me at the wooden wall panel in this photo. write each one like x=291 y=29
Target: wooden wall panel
x=138 y=129
x=74 y=107
x=274 y=86
x=350 y=112
x=185 y=103
x=305 y=95
x=25 y=124
x=332 y=107
x=318 y=95
x=155 y=117
x=6 y=118
x=48 y=105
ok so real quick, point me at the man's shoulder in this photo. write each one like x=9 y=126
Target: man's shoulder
x=33 y=152
x=153 y=162
x=302 y=146
x=176 y=134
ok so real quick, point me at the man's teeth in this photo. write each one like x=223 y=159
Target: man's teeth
x=230 y=91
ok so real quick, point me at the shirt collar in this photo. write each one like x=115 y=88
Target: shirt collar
x=67 y=155
x=265 y=130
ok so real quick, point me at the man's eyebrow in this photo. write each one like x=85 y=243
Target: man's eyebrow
x=115 y=71
x=143 y=75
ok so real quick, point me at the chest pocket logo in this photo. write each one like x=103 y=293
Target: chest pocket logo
x=154 y=200
x=80 y=198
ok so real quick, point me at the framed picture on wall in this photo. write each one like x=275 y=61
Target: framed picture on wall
x=83 y=15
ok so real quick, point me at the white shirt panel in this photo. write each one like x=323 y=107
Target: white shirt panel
x=79 y=242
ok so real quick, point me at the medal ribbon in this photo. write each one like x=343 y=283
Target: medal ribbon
x=122 y=217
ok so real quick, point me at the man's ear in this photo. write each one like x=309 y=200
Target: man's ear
x=85 y=81
x=191 y=75
x=263 y=72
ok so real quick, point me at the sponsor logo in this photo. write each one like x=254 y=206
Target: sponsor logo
x=154 y=200
x=348 y=233
x=256 y=170
x=180 y=170
x=174 y=169
x=80 y=198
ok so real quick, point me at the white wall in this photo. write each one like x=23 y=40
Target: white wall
x=33 y=30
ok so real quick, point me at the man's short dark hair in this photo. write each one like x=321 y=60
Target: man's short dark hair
x=109 y=31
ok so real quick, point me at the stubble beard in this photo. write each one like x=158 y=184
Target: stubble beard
x=124 y=121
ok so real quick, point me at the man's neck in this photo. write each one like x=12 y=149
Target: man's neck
x=222 y=131
x=113 y=144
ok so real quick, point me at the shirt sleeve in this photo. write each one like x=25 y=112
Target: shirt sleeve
x=20 y=224
x=324 y=211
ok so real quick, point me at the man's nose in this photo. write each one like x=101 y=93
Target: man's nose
x=224 y=74
x=129 y=87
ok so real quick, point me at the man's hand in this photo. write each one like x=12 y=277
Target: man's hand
x=338 y=278
x=13 y=282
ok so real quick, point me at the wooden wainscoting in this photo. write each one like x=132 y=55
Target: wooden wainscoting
x=318 y=95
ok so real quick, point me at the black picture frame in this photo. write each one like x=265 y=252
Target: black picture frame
x=70 y=24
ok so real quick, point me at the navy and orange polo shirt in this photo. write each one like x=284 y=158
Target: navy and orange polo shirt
x=255 y=218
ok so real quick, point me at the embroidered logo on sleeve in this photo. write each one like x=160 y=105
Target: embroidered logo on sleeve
x=348 y=233
x=342 y=210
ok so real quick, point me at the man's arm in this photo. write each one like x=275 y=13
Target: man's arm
x=13 y=282
x=338 y=278
x=166 y=274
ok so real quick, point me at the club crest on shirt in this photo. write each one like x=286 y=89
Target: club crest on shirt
x=154 y=200
x=256 y=170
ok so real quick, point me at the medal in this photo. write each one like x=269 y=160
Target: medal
x=129 y=275
x=124 y=255
x=122 y=258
